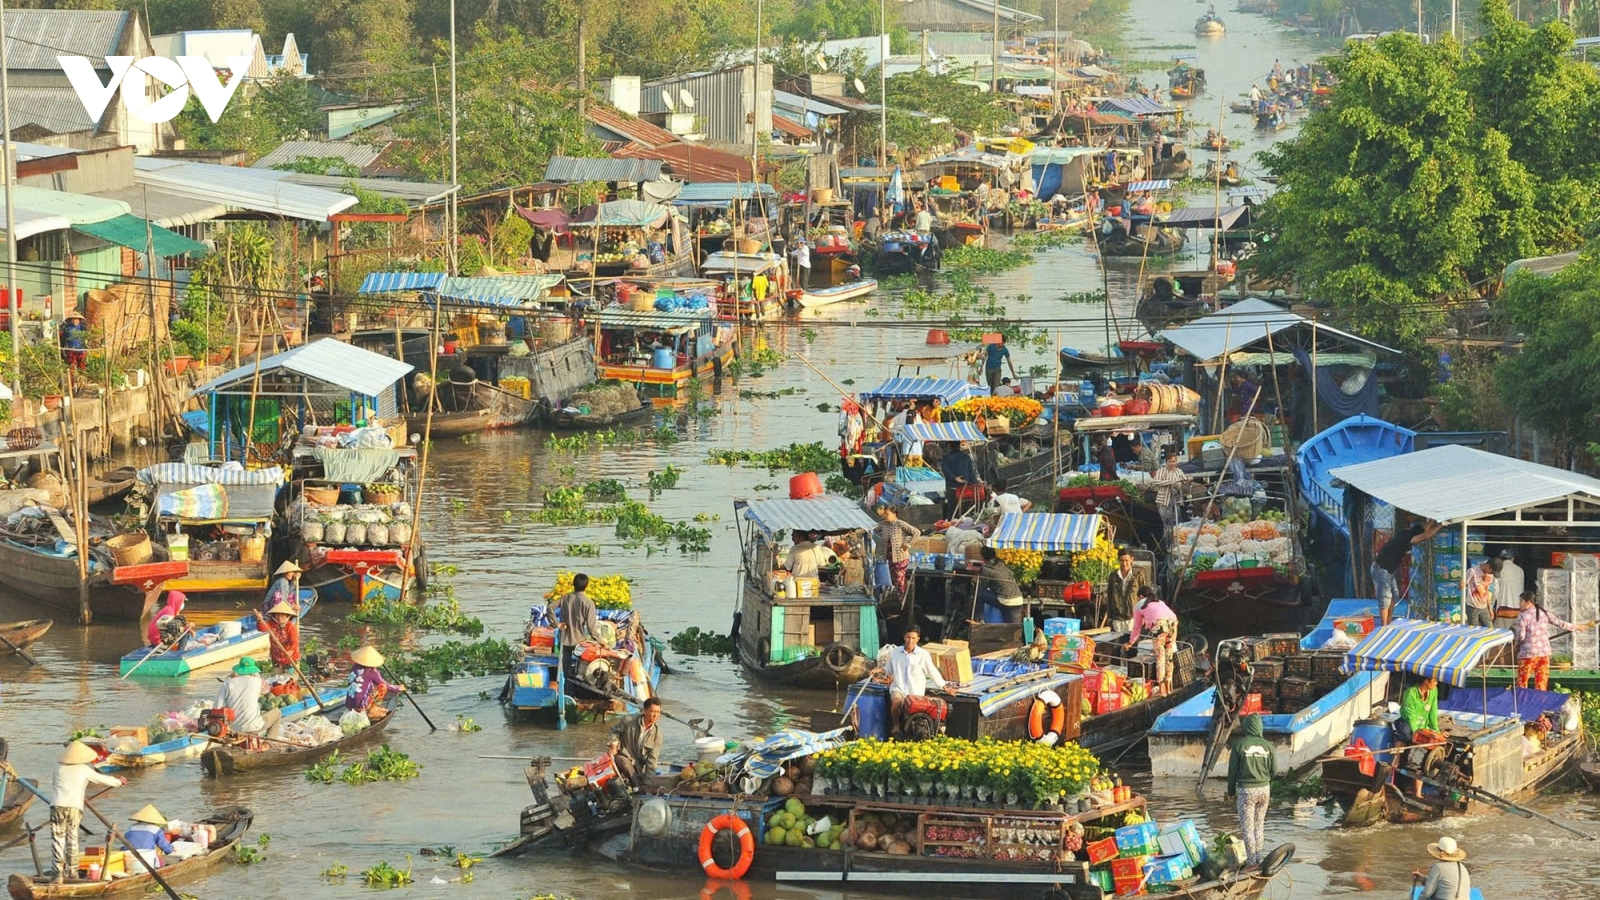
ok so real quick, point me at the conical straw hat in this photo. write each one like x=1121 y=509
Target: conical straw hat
x=150 y=816
x=367 y=655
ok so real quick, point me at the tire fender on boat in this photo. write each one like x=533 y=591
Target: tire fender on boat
x=747 y=847
x=1276 y=860
x=838 y=657
x=1047 y=718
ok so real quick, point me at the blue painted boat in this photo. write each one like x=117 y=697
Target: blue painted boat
x=1178 y=738
x=538 y=684
x=192 y=745
x=209 y=648
x=1355 y=440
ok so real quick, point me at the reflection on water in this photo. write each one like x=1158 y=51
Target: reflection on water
x=480 y=492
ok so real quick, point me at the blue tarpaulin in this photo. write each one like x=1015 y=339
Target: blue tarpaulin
x=945 y=390
x=400 y=282
x=1135 y=106
x=941 y=431
x=1527 y=704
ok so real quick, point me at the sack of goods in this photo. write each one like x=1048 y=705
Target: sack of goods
x=352 y=722
x=313 y=731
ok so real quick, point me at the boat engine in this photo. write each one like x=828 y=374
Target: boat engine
x=216 y=722
x=922 y=718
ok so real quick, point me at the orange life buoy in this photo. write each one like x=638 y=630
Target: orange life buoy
x=740 y=890
x=1047 y=718
x=747 y=847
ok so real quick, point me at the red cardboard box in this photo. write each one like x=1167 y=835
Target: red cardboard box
x=1128 y=867
x=1107 y=701
x=1129 y=887
x=1100 y=851
x=1252 y=704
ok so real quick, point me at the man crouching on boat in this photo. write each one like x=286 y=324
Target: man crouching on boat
x=636 y=743
x=910 y=670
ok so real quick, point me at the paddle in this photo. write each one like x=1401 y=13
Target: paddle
x=157 y=650
x=132 y=852
x=693 y=725
x=18 y=650
x=431 y=726
x=296 y=666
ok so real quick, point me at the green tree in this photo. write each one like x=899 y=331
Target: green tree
x=320 y=165
x=1394 y=198
x=810 y=20
x=510 y=120
x=280 y=109
x=360 y=42
x=1554 y=381
x=950 y=107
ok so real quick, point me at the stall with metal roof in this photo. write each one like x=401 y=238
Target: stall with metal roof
x=1045 y=532
x=325 y=382
x=945 y=390
x=828 y=513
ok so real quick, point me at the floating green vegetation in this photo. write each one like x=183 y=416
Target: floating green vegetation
x=977 y=260
x=770 y=395
x=337 y=870
x=583 y=549
x=386 y=876
x=610 y=437
x=796 y=458
x=1035 y=241
x=382 y=764
x=637 y=526
x=838 y=484
x=665 y=480
x=451 y=659
x=465 y=724
x=443 y=614
x=754 y=363
x=250 y=854
x=695 y=642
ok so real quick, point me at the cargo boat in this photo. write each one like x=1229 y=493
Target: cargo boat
x=538 y=683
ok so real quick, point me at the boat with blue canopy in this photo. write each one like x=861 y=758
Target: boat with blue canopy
x=1353 y=441
x=1498 y=745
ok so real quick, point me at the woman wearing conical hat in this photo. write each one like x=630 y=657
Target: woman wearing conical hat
x=367 y=686
x=74 y=772
x=149 y=836
x=285 y=587
x=283 y=632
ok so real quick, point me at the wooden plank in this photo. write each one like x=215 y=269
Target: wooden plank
x=66 y=531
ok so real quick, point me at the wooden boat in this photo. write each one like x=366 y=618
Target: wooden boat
x=224 y=759
x=900 y=252
x=211 y=646
x=839 y=293
x=113 y=485
x=41 y=574
x=471 y=407
x=699 y=347
x=731 y=273
x=539 y=684
x=1186 y=737
x=1483 y=766
x=1243 y=107
x=1276 y=118
x=1076 y=219
x=1149 y=242
x=367 y=572
x=568 y=420
x=16 y=802
x=963 y=234
x=20 y=635
x=1209 y=25
x=231 y=825
x=1229 y=174
x=192 y=745
x=817 y=641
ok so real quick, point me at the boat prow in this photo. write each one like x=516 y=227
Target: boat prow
x=839 y=293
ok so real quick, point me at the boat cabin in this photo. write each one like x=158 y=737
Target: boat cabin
x=220 y=519
x=734 y=275
x=657 y=351
x=348 y=519
x=625 y=237
x=808 y=631
x=721 y=214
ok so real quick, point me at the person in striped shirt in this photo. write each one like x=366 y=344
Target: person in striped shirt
x=1532 y=629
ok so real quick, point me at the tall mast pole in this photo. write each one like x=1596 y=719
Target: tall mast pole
x=994 y=65
x=755 y=110
x=11 y=215
x=883 y=82
x=455 y=173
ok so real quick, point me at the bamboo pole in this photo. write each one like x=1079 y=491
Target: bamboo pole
x=427 y=444
x=74 y=485
x=1314 y=428
x=1222 y=376
x=255 y=390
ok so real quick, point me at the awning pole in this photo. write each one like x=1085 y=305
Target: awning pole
x=1464 y=598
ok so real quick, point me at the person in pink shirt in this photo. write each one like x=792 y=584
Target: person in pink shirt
x=1162 y=622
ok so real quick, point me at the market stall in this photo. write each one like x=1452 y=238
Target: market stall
x=627 y=237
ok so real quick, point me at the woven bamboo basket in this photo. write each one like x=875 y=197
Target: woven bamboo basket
x=131 y=549
x=322 y=495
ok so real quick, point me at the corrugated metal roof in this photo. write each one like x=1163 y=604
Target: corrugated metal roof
x=623 y=317
x=55 y=109
x=573 y=169
x=35 y=37
x=1244 y=323
x=828 y=512
x=1204 y=217
x=245 y=189
x=802 y=104
x=330 y=361
x=716 y=193
x=693 y=163
x=40 y=210
x=789 y=126
x=1136 y=106
x=163 y=208
x=1454 y=483
x=631 y=127
x=358 y=155
x=414 y=193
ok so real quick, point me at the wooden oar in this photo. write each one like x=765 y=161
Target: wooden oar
x=157 y=650
x=296 y=666
x=133 y=852
x=18 y=650
x=431 y=726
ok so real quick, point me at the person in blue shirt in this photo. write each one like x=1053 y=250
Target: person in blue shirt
x=959 y=474
x=149 y=835
x=994 y=355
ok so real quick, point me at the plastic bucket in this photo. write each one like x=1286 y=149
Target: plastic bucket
x=804 y=485
x=1378 y=736
x=709 y=748
x=663 y=358
x=230 y=629
x=938 y=336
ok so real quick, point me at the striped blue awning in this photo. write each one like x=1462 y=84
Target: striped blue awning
x=1045 y=532
x=945 y=390
x=829 y=512
x=1160 y=184
x=941 y=431
x=400 y=282
x=496 y=291
x=1426 y=649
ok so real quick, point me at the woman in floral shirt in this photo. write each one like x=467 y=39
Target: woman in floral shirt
x=1532 y=629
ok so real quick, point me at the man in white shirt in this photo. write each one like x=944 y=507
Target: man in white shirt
x=803 y=556
x=910 y=670
x=802 y=262
x=1007 y=502
x=924 y=220
x=74 y=772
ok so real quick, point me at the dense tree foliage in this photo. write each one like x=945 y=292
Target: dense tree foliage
x=1554 y=382
x=259 y=118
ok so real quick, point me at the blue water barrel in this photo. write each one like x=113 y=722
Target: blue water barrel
x=891 y=247
x=1376 y=735
x=1086 y=394
x=664 y=358
x=881 y=575
x=873 y=707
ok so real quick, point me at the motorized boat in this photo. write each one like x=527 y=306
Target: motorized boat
x=839 y=293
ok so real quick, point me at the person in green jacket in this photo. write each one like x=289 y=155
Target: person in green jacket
x=1419 y=719
x=1251 y=765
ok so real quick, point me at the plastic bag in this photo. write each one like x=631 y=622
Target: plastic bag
x=334 y=533
x=355 y=534
x=312 y=532
x=378 y=534
x=352 y=722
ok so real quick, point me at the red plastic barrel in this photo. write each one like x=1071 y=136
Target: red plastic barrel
x=804 y=485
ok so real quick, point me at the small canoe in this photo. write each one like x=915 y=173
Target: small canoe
x=210 y=647
x=219 y=759
x=16 y=802
x=21 y=634
x=231 y=825
x=566 y=420
x=850 y=290
x=192 y=745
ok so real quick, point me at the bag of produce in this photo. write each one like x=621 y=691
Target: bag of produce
x=355 y=534
x=402 y=512
x=378 y=534
x=400 y=532
x=352 y=722
x=334 y=533
x=311 y=532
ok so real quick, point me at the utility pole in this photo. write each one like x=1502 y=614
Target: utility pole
x=1419 y=20
x=1453 y=9
x=994 y=67
x=883 y=83
x=455 y=175
x=924 y=62
x=14 y=312
x=1055 y=54
x=583 y=59
x=755 y=110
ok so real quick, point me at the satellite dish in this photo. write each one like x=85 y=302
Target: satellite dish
x=666 y=98
x=861 y=88
x=686 y=98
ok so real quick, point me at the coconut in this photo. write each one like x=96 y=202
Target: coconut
x=793 y=771
x=900 y=848
x=803 y=787
x=805 y=765
x=868 y=841
x=783 y=786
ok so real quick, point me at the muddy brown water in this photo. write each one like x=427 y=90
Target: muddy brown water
x=475 y=487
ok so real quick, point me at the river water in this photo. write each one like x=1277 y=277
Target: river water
x=478 y=494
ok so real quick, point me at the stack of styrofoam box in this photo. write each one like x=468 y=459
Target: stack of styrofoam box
x=1585 y=569
x=1555 y=595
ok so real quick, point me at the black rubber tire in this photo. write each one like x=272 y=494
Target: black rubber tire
x=763 y=651
x=419 y=564
x=838 y=657
x=1276 y=860
x=733 y=633
x=1198 y=642
x=1380 y=777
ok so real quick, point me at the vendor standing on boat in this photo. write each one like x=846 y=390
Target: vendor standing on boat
x=893 y=538
x=1385 y=569
x=998 y=588
x=579 y=620
x=1162 y=622
x=367 y=685
x=910 y=670
x=1252 y=761
x=285 y=587
x=993 y=355
x=74 y=772
x=1477 y=589
x=1169 y=483
x=1532 y=629
x=283 y=631
x=960 y=477
x=1122 y=591
x=636 y=743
